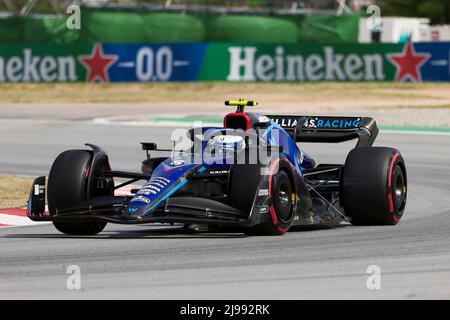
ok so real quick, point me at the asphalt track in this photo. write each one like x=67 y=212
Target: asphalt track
x=150 y=262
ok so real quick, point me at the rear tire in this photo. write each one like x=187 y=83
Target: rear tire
x=67 y=186
x=374 y=186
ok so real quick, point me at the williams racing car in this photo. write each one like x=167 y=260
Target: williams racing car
x=249 y=175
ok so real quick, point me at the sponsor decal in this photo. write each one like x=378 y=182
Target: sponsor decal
x=38 y=189
x=353 y=62
x=264 y=209
x=100 y=62
x=286 y=122
x=221 y=61
x=246 y=64
x=141 y=199
x=177 y=163
x=147 y=192
x=26 y=66
x=97 y=64
x=163 y=180
x=150 y=191
x=332 y=123
x=263 y=119
x=263 y=192
x=151 y=186
x=218 y=172
x=318 y=122
x=156 y=183
x=408 y=63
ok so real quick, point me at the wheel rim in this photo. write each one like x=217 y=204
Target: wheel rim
x=283 y=201
x=398 y=190
x=284 y=198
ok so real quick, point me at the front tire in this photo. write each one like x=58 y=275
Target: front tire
x=374 y=186
x=244 y=183
x=67 y=186
x=282 y=209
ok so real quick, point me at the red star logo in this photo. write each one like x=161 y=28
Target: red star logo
x=97 y=64
x=408 y=63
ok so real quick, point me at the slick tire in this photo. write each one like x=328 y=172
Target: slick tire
x=244 y=183
x=68 y=185
x=374 y=186
x=282 y=209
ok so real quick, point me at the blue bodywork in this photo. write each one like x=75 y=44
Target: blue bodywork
x=172 y=174
x=249 y=174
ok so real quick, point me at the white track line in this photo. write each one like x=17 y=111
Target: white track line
x=17 y=221
x=10 y=218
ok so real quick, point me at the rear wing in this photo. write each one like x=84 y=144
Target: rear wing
x=329 y=129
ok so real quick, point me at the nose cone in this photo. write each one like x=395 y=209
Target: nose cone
x=167 y=178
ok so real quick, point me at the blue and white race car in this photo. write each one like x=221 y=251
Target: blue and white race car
x=249 y=175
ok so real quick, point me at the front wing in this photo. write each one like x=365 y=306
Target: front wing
x=113 y=209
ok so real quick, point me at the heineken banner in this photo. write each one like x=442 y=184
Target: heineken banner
x=224 y=62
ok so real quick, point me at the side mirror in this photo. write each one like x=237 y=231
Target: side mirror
x=149 y=146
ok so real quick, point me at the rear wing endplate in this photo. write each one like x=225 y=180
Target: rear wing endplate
x=329 y=129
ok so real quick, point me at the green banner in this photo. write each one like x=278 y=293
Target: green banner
x=42 y=63
x=313 y=62
x=168 y=27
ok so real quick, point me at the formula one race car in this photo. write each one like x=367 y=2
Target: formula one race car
x=248 y=175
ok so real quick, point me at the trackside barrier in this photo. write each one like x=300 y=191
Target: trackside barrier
x=224 y=62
